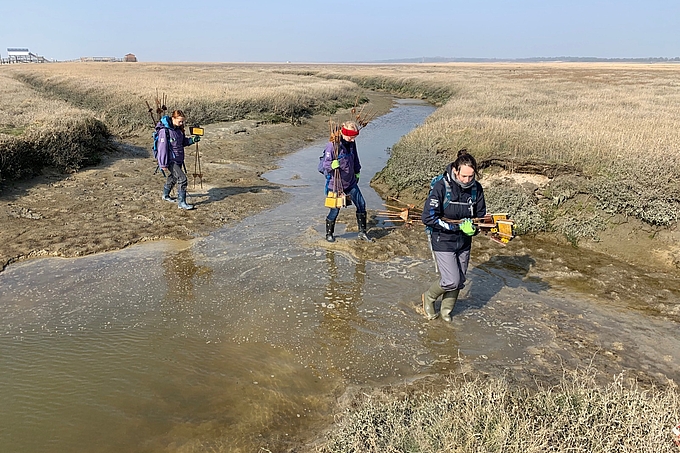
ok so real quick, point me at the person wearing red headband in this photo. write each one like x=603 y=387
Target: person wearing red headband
x=348 y=168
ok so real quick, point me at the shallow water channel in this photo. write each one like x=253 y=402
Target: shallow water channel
x=244 y=339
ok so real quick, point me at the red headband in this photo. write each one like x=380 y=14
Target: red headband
x=349 y=132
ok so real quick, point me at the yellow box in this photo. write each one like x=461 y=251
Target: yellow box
x=334 y=200
x=505 y=228
x=196 y=131
x=497 y=217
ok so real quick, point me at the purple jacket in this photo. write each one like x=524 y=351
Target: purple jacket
x=174 y=152
x=349 y=164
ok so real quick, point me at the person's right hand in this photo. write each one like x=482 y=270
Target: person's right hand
x=164 y=168
x=335 y=164
x=467 y=227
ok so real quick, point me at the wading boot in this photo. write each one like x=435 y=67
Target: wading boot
x=361 y=222
x=330 y=228
x=428 y=298
x=182 y=201
x=166 y=194
x=448 y=301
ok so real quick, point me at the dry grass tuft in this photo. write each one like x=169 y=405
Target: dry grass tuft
x=36 y=132
x=492 y=416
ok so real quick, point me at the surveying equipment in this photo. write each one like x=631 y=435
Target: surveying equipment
x=199 y=131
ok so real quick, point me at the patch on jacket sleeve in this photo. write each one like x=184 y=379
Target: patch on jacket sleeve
x=434 y=203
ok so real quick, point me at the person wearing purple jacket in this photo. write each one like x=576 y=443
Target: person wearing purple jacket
x=171 y=143
x=348 y=170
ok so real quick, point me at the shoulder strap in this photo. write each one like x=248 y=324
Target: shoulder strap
x=447 y=197
x=167 y=141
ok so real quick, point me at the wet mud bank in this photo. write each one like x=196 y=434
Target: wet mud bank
x=117 y=203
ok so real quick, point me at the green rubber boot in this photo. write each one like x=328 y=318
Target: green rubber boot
x=448 y=301
x=428 y=298
x=166 y=194
x=182 y=201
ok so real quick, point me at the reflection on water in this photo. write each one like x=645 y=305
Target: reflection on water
x=343 y=295
x=241 y=340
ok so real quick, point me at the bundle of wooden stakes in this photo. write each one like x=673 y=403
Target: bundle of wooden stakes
x=497 y=227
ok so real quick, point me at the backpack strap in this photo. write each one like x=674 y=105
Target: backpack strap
x=447 y=196
x=473 y=199
x=167 y=141
x=472 y=203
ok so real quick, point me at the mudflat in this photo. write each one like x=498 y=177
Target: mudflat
x=118 y=202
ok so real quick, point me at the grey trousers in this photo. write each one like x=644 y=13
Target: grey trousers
x=452 y=269
x=176 y=176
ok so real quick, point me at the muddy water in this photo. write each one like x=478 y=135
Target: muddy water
x=243 y=339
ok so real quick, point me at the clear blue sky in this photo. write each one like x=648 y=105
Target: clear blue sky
x=337 y=31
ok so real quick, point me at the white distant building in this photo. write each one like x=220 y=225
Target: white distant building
x=21 y=55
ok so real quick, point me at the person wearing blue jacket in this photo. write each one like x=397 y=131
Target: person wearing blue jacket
x=349 y=169
x=453 y=202
x=171 y=143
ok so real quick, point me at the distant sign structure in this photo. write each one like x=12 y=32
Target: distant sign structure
x=101 y=59
x=22 y=55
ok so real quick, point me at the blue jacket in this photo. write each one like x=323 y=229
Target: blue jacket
x=175 y=151
x=349 y=164
x=447 y=237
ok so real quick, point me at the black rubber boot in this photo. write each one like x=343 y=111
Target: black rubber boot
x=330 y=228
x=166 y=194
x=361 y=222
x=182 y=201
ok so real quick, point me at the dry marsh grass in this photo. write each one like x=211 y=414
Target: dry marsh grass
x=61 y=114
x=489 y=415
x=36 y=132
x=606 y=131
x=207 y=93
x=613 y=124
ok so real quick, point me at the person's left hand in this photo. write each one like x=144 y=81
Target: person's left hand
x=356 y=175
x=467 y=227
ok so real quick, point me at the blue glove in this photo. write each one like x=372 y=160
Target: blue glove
x=335 y=164
x=467 y=227
x=356 y=175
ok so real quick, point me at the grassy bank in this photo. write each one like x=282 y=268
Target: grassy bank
x=490 y=415
x=207 y=93
x=36 y=132
x=605 y=133
x=60 y=115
